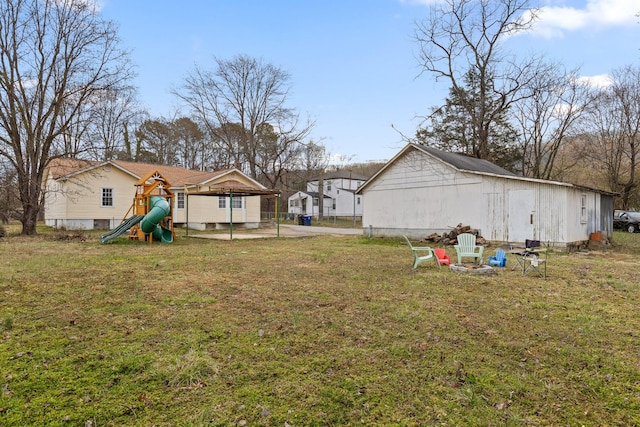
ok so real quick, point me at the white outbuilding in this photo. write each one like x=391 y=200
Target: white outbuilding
x=422 y=190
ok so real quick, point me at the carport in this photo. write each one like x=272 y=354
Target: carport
x=232 y=192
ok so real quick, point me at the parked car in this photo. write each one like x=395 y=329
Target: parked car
x=626 y=220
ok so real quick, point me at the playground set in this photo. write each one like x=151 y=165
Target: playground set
x=151 y=214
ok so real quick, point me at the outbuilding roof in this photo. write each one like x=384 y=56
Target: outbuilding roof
x=467 y=163
x=471 y=165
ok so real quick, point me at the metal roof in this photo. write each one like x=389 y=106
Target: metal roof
x=462 y=162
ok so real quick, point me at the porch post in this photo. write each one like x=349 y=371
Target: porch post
x=230 y=215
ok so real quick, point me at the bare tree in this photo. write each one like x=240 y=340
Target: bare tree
x=235 y=101
x=53 y=54
x=112 y=112
x=8 y=192
x=313 y=163
x=613 y=126
x=157 y=143
x=547 y=116
x=465 y=36
x=190 y=143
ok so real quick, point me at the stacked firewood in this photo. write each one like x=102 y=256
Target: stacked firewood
x=451 y=238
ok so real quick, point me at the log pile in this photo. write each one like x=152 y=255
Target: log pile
x=451 y=238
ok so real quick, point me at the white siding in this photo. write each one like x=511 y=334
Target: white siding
x=346 y=204
x=76 y=202
x=302 y=204
x=340 y=189
x=54 y=201
x=418 y=195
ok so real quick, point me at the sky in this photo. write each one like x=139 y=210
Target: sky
x=353 y=63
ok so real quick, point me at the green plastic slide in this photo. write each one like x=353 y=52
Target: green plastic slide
x=150 y=222
x=121 y=229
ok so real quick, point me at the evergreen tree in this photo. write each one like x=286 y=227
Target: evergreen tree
x=453 y=127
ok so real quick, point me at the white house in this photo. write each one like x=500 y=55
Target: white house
x=339 y=191
x=89 y=195
x=423 y=190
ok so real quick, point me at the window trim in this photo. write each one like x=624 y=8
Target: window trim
x=104 y=197
x=237 y=203
x=238 y=200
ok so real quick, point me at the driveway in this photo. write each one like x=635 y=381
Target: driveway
x=286 y=230
x=306 y=229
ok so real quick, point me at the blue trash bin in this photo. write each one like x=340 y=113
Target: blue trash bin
x=306 y=220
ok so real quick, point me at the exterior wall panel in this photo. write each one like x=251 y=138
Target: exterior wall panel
x=417 y=195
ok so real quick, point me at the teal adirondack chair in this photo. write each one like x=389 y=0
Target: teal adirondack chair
x=421 y=254
x=467 y=248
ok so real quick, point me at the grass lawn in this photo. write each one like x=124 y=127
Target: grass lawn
x=328 y=330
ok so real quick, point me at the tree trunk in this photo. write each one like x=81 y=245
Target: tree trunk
x=29 y=219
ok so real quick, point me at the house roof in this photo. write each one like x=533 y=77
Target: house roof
x=342 y=173
x=309 y=193
x=469 y=165
x=61 y=169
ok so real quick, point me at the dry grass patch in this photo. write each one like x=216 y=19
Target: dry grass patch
x=324 y=330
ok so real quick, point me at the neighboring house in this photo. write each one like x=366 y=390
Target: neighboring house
x=98 y=195
x=340 y=200
x=423 y=190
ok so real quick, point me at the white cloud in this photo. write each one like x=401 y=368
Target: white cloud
x=555 y=20
x=598 y=81
x=96 y=5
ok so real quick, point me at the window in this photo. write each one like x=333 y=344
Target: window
x=328 y=185
x=180 y=200
x=292 y=203
x=237 y=202
x=107 y=197
x=333 y=204
x=358 y=200
x=315 y=201
x=583 y=208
